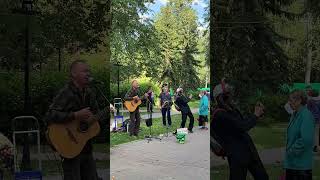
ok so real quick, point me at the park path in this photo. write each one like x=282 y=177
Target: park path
x=163 y=160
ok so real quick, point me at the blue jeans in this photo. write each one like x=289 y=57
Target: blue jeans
x=166 y=111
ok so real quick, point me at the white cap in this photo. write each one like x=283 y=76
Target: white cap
x=179 y=89
x=218 y=89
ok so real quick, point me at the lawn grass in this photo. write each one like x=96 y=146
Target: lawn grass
x=157 y=129
x=274 y=171
x=269 y=136
x=194 y=104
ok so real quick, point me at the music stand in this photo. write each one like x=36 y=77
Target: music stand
x=149 y=124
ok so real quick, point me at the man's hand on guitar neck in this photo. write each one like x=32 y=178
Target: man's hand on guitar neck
x=83 y=114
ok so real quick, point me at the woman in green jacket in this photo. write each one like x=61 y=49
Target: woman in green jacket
x=300 y=139
x=203 y=110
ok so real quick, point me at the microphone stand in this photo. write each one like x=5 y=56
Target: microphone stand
x=150 y=137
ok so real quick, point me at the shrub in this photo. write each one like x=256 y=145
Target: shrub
x=124 y=87
x=274 y=106
x=43 y=88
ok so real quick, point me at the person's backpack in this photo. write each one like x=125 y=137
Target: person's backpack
x=214 y=144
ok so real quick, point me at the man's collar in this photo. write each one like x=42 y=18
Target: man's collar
x=74 y=88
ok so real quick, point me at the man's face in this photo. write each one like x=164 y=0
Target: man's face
x=135 y=84
x=81 y=74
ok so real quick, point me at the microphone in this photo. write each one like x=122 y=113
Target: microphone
x=94 y=81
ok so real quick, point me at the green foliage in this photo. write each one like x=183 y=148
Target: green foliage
x=176 y=28
x=274 y=107
x=133 y=40
x=245 y=47
x=284 y=89
x=66 y=25
x=144 y=84
x=43 y=88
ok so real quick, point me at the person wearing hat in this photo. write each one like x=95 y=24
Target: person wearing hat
x=165 y=104
x=230 y=129
x=182 y=103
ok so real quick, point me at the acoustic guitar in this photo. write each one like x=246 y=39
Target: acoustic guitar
x=133 y=104
x=68 y=139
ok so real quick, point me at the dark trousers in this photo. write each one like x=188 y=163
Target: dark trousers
x=202 y=120
x=134 y=124
x=149 y=106
x=166 y=113
x=238 y=170
x=82 y=167
x=184 y=119
x=298 y=174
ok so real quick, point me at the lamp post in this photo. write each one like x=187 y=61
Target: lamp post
x=27 y=10
x=118 y=65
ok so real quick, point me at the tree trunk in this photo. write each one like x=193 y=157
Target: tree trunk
x=308 y=27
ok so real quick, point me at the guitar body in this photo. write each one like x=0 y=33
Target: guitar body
x=132 y=105
x=68 y=140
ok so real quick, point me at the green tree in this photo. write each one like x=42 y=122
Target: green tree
x=133 y=42
x=176 y=27
x=244 y=46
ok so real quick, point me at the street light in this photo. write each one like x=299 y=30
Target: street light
x=118 y=65
x=27 y=6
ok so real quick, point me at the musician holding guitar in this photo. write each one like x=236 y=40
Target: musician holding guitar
x=165 y=104
x=132 y=104
x=71 y=124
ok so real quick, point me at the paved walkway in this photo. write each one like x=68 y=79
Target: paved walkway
x=163 y=160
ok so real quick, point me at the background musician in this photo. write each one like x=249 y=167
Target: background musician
x=165 y=104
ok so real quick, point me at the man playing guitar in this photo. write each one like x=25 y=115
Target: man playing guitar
x=76 y=102
x=133 y=95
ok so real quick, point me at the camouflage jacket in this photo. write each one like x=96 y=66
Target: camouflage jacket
x=69 y=100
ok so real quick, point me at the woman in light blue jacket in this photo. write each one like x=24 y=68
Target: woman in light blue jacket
x=300 y=139
x=203 y=109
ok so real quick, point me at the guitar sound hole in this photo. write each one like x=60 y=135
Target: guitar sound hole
x=84 y=126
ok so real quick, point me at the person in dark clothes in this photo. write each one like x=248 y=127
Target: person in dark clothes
x=133 y=94
x=165 y=104
x=76 y=102
x=230 y=129
x=150 y=101
x=182 y=103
